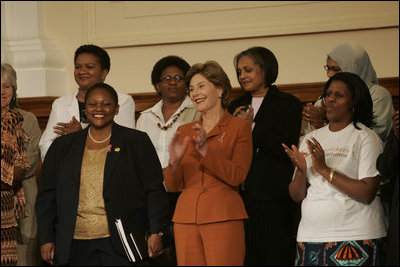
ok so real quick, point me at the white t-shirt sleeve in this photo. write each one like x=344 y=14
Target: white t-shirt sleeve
x=370 y=149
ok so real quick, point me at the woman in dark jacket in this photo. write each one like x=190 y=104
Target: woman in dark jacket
x=92 y=177
x=276 y=119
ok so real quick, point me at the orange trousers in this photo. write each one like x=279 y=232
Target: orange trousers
x=213 y=244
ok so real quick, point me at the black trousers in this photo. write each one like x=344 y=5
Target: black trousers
x=97 y=252
x=270 y=235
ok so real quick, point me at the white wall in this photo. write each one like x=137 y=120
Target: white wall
x=300 y=33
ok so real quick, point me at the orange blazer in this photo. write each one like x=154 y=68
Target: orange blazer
x=210 y=184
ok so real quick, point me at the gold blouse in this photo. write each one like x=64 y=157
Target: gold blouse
x=91 y=220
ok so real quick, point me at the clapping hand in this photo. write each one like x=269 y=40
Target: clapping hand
x=317 y=155
x=314 y=115
x=65 y=128
x=200 y=139
x=176 y=150
x=242 y=113
x=297 y=158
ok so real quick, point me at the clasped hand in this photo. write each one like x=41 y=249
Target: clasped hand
x=154 y=245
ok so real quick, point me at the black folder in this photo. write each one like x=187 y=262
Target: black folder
x=134 y=243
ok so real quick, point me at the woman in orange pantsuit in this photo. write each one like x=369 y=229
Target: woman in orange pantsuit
x=209 y=159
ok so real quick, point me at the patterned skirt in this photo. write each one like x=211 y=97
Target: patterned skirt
x=343 y=253
x=8 y=229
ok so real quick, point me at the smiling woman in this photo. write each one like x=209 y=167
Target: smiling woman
x=101 y=102
x=92 y=65
x=209 y=158
x=119 y=176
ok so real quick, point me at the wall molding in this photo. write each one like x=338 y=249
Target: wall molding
x=126 y=23
x=40 y=66
x=306 y=92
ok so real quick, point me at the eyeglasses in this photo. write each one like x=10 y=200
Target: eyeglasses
x=334 y=69
x=168 y=79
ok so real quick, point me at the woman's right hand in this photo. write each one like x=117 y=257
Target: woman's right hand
x=241 y=112
x=314 y=115
x=297 y=158
x=47 y=251
x=177 y=150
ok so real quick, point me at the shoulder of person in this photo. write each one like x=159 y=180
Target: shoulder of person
x=289 y=97
x=123 y=97
x=238 y=121
x=62 y=100
x=27 y=114
x=239 y=101
x=128 y=132
x=380 y=91
x=368 y=133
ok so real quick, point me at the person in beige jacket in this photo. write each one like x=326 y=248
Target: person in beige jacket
x=28 y=246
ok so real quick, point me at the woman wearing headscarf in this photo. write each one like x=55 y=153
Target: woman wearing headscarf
x=351 y=57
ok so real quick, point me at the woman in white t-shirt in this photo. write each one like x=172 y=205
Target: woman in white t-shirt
x=336 y=180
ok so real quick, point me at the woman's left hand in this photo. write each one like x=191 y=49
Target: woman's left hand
x=200 y=139
x=154 y=245
x=317 y=155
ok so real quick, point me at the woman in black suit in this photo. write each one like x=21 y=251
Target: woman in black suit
x=276 y=119
x=91 y=177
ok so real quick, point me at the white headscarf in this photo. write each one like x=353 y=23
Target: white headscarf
x=353 y=58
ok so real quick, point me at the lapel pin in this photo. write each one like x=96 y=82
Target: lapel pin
x=116 y=149
x=221 y=138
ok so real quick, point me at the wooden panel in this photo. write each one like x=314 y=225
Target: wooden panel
x=306 y=92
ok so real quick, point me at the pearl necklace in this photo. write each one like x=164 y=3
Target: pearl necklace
x=98 y=142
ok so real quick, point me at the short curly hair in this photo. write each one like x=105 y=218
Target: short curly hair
x=97 y=51
x=166 y=62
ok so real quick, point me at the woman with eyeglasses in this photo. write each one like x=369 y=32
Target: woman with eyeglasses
x=336 y=181
x=209 y=159
x=351 y=57
x=161 y=120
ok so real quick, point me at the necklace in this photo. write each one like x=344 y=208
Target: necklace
x=169 y=125
x=98 y=142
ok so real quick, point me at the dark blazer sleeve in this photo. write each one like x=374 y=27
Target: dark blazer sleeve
x=46 y=204
x=151 y=177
